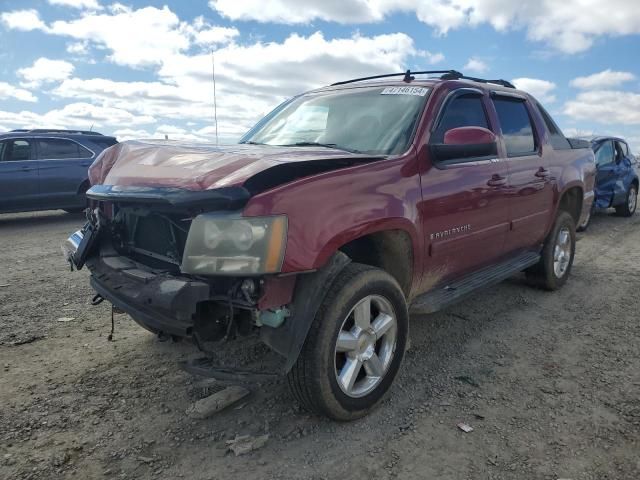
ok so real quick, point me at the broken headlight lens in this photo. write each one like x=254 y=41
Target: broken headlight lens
x=225 y=245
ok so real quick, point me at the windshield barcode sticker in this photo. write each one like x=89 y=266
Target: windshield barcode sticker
x=419 y=91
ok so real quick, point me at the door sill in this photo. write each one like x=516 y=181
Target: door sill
x=443 y=296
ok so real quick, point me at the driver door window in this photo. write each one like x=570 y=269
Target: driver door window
x=16 y=150
x=462 y=111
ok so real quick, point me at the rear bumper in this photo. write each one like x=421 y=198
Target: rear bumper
x=158 y=302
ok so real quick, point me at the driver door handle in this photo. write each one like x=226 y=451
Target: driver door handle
x=497 y=180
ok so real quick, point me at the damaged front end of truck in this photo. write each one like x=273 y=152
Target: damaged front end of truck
x=183 y=261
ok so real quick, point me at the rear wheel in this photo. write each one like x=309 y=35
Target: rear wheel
x=355 y=345
x=628 y=208
x=557 y=254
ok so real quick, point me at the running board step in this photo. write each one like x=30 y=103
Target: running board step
x=442 y=297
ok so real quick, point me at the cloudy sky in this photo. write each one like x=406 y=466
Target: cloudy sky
x=143 y=68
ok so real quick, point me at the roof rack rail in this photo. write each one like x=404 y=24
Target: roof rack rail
x=459 y=76
x=55 y=130
x=408 y=76
x=444 y=75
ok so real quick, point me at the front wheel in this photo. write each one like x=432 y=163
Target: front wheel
x=557 y=254
x=628 y=208
x=355 y=345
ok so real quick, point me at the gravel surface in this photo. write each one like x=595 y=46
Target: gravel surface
x=550 y=383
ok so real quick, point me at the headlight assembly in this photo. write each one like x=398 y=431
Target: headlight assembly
x=226 y=245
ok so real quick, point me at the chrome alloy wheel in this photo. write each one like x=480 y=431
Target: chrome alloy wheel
x=365 y=346
x=562 y=252
x=632 y=200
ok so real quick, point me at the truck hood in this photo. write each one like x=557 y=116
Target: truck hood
x=199 y=167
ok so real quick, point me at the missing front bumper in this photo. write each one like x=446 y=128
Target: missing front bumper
x=161 y=303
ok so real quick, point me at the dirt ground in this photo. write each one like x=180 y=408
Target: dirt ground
x=550 y=382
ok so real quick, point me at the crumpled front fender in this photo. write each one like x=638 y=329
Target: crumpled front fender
x=310 y=290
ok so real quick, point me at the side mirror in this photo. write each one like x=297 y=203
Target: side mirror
x=465 y=143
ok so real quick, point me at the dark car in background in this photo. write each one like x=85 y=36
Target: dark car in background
x=47 y=169
x=616 y=178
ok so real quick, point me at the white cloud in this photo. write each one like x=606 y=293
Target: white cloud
x=299 y=11
x=542 y=90
x=215 y=35
x=605 y=79
x=74 y=115
x=135 y=38
x=476 y=65
x=8 y=92
x=45 y=70
x=431 y=58
x=24 y=20
x=571 y=26
x=80 y=4
x=78 y=48
x=605 y=107
x=251 y=79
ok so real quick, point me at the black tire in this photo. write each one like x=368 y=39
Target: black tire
x=544 y=274
x=313 y=379
x=630 y=204
x=587 y=221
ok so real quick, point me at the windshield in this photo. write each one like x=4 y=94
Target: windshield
x=377 y=121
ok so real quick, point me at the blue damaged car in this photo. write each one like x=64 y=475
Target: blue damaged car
x=46 y=169
x=616 y=177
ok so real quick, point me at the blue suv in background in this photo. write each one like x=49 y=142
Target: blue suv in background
x=47 y=169
x=616 y=177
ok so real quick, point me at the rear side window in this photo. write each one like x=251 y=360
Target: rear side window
x=60 y=149
x=462 y=111
x=516 y=126
x=604 y=153
x=104 y=142
x=556 y=137
x=15 y=150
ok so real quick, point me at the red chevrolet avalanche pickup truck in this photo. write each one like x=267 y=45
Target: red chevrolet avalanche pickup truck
x=339 y=213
